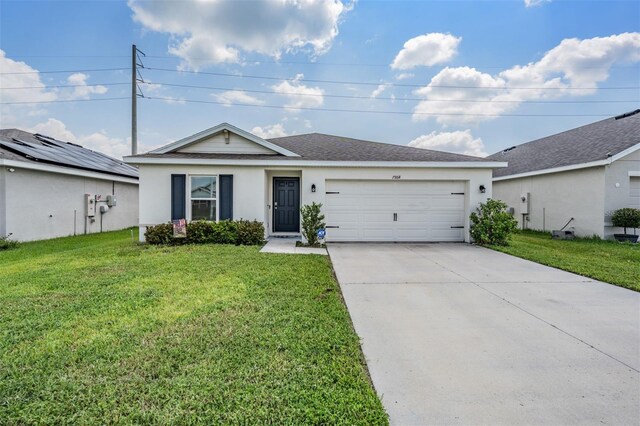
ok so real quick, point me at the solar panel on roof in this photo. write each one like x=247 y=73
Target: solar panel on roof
x=53 y=151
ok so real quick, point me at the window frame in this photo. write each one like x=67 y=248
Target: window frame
x=189 y=199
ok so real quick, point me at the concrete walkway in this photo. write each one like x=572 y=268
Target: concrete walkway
x=288 y=246
x=458 y=334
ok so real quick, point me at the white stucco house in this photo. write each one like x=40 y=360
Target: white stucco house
x=369 y=191
x=50 y=188
x=584 y=173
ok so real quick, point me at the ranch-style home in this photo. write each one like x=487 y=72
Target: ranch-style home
x=575 y=178
x=370 y=191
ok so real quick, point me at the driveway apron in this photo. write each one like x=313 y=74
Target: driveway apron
x=458 y=334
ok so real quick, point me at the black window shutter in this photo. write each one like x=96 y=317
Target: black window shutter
x=178 y=196
x=226 y=197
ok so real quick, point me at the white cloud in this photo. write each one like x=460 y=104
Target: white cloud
x=533 y=3
x=97 y=141
x=211 y=32
x=563 y=71
x=55 y=129
x=299 y=95
x=404 y=76
x=29 y=78
x=378 y=91
x=425 y=50
x=461 y=142
x=82 y=90
x=270 y=131
x=237 y=97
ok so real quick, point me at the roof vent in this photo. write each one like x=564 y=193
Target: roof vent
x=627 y=114
x=504 y=151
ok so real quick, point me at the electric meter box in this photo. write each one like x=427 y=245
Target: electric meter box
x=90 y=205
x=111 y=200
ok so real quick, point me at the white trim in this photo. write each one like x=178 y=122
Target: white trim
x=217 y=129
x=597 y=163
x=315 y=163
x=634 y=174
x=624 y=153
x=66 y=171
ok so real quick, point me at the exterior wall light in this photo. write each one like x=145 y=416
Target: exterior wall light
x=482 y=189
x=313 y=187
x=11 y=169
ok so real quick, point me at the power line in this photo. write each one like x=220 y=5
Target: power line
x=368 y=111
x=327 y=95
x=63 y=85
x=65 y=71
x=309 y=80
x=229 y=89
x=63 y=101
x=279 y=62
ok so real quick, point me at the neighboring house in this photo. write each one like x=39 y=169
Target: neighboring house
x=369 y=191
x=50 y=188
x=584 y=174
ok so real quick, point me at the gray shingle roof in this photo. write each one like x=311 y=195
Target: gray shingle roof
x=322 y=147
x=19 y=145
x=593 y=142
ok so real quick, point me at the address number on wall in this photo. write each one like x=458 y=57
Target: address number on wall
x=396 y=177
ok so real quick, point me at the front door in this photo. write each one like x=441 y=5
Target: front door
x=286 y=204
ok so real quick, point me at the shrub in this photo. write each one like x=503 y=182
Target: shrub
x=491 y=224
x=7 y=244
x=250 y=232
x=626 y=218
x=200 y=232
x=312 y=220
x=159 y=234
x=226 y=232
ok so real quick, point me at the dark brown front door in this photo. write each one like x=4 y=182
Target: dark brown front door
x=286 y=204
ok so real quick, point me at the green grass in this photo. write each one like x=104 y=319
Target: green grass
x=97 y=329
x=608 y=261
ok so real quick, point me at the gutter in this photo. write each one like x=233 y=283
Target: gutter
x=313 y=163
x=66 y=171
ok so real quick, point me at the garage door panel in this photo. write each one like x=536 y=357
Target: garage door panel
x=364 y=210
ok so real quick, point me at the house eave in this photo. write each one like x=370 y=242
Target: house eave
x=66 y=171
x=599 y=163
x=314 y=163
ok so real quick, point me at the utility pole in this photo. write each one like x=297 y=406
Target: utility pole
x=134 y=96
x=134 y=100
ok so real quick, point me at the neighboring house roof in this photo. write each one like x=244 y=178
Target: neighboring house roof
x=29 y=148
x=591 y=145
x=318 y=147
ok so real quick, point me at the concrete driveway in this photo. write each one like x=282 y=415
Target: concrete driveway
x=458 y=334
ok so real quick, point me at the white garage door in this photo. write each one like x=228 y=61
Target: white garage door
x=368 y=210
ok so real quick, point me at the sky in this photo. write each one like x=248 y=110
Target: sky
x=459 y=76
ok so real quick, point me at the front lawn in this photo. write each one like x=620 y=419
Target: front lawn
x=603 y=260
x=97 y=329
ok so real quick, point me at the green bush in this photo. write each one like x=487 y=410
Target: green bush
x=250 y=232
x=159 y=234
x=200 y=232
x=491 y=224
x=7 y=244
x=626 y=218
x=240 y=232
x=226 y=232
x=312 y=220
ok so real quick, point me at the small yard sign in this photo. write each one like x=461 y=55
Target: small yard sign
x=179 y=228
x=321 y=233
